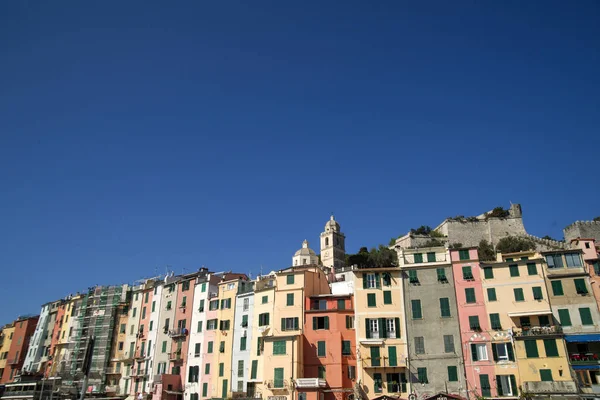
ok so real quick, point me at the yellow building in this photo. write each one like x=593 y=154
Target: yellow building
x=228 y=289
x=380 y=332
x=517 y=301
x=279 y=331
x=118 y=351
x=6 y=336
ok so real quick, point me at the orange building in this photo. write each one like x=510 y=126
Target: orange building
x=23 y=330
x=329 y=349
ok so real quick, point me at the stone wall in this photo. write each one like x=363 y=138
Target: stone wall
x=492 y=230
x=582 y=229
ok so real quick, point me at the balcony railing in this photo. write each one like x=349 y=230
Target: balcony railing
x=538 y=331
x=126 y=356
x=13 y=361
x=139 y=355
x=310 y=383
x=277 y=384
x=584 y=358
x=546 y=387
x=175 y=356
x=382 y=362
x=19 y=393
x=178 y=333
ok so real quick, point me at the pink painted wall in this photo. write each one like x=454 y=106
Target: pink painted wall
x=464 y=311
x=209 y=336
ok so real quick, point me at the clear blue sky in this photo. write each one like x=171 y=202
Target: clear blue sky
x=136 y=135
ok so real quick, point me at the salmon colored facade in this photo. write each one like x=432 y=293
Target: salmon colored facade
x=23 y=330
x=180 y=330
x=142 y=348
x=329 y=355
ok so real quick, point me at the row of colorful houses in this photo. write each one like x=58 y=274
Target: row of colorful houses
x=440 y=322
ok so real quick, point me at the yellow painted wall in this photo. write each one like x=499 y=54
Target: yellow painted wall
x=261 y=307
x=529 y=367
x=8 y=333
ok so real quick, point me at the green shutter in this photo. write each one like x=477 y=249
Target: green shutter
x=495 y=321
x=341 y=304
x=326 y=322
x=371 y=300
x=205 y=389
x=580 y=286
x=495 y=351
x=431 y=257
x=382 y=328
x=463 y=254
x=531 y=349
x=375 y=357
x=290 y=297
x=484 y=382
x=537 y=293
x=418 y=258
x=499 y=386
x=519 y=294
x=550 y=348
x=346 y=348
x=377 y=383
x=387 y=297
x=207 y=369
x=210 y=347
x=282 y=324
x=474 y=355
x=470 y=295
x=378 y=281
x=392 y=358
x=467 y=273
x=278 y=377
x=254 y=368
x=296 y=323
x=511 y=353
x=557 y=288
x=452 y=373
x=397 y=325
x=290 y=279
x=514 y=270
x=564 y=317
x=164 y=346
x=412 y=276
x=367 y=328
x=474 y=322
x=416 y=309
x=422 y=375
x=221 y=369
x=546 y=375
x=491 y=292
x=488 y=273
x=243 y=343
x=321 y=352
x=531 y=269
x=445 y=307
x=586 y=316
x=365 y=281
x=441 y=274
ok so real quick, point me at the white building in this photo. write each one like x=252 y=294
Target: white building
x=36 y=344
x=242 y=337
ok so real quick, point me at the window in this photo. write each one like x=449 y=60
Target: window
x=375 y=357
x=260 y=346
x=557 y=288
x=452 y=373
x=479 y=352
x=488 y=273
x=537 y=293
x=390 y=327
x=225 y=304
x=448 y=344
x=203 y=287
x=290 y=279
x=531 y=349
x=554 y=261
x=123 y=328
x=519 y=294
x=290 y=298
x=278 y=378
x=484 y=383
x=349 y=322
x=514 y=270
x=412 y=276
x=211 y=324
x=474 y=323
x=153 y=306
x=463 y=255
x=207 y=368
x=431 y=257
x=531 y=269
x=580 y=286
x=387 y=297
x=263 y=319
x=244 y=320
x=210 y=347
x=573 y=260
x=418 y=258
x=564 y=317
x=240 y=384
x=341 y=303
x=503 y=352
x=550 y=348
x=392 y=356
x=546 y=375
x=387 y=279
x=320 y=323
x=372 y=325
x=422 y=375
x=279 y=347
x=253 y=369
x=185 y=286
x=544 y=320
x=470 y=295
x=416 y=309
x=351 y=372
x=586 y=316
x=419 y=345
x=321 y=352
x=243 y=340
x=445 y=307
x=222 y=346
x=240 y=371
x=213 y=305
x=224 y=325
x=524 y=322
x=491 y=292
x=164 y=346
x=596 y=266
x=346 y=348
x=221 y=369
x=246 y=305
x=199 y=326
x=371 y=283
x=197 y=350
x=377 y=383
x=134 y=312
x=495 y=321
x=289 y=324
x=371 y=300
x=467 y=273
x=441 y=275
x=265 y=299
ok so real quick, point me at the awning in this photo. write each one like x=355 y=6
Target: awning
x=528 y=313
x=580 y=367
x=591 y=337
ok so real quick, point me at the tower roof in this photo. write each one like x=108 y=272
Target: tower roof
x=332 y=225
x=305 y=250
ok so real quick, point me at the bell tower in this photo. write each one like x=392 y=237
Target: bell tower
x=333 y=245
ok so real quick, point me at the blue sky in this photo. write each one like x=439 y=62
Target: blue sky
x=136 y=135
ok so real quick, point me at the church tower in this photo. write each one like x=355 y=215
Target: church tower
x=333 y=246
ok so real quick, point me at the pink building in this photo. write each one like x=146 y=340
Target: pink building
x=209 y=359
x=475 y=330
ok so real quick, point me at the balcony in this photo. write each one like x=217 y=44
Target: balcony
x=175 y=357
x=179 y=333
x=115 y=389
x=382 y=362
x=550 y=387
x=584 y=358
x=310 y=383
x=139 y=355
x=139 y=374
x=13 y=361
x=276 y=384
x=126 y=357
x=537 y=331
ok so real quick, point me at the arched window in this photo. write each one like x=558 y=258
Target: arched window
x=326 y=241
x=304 y=261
